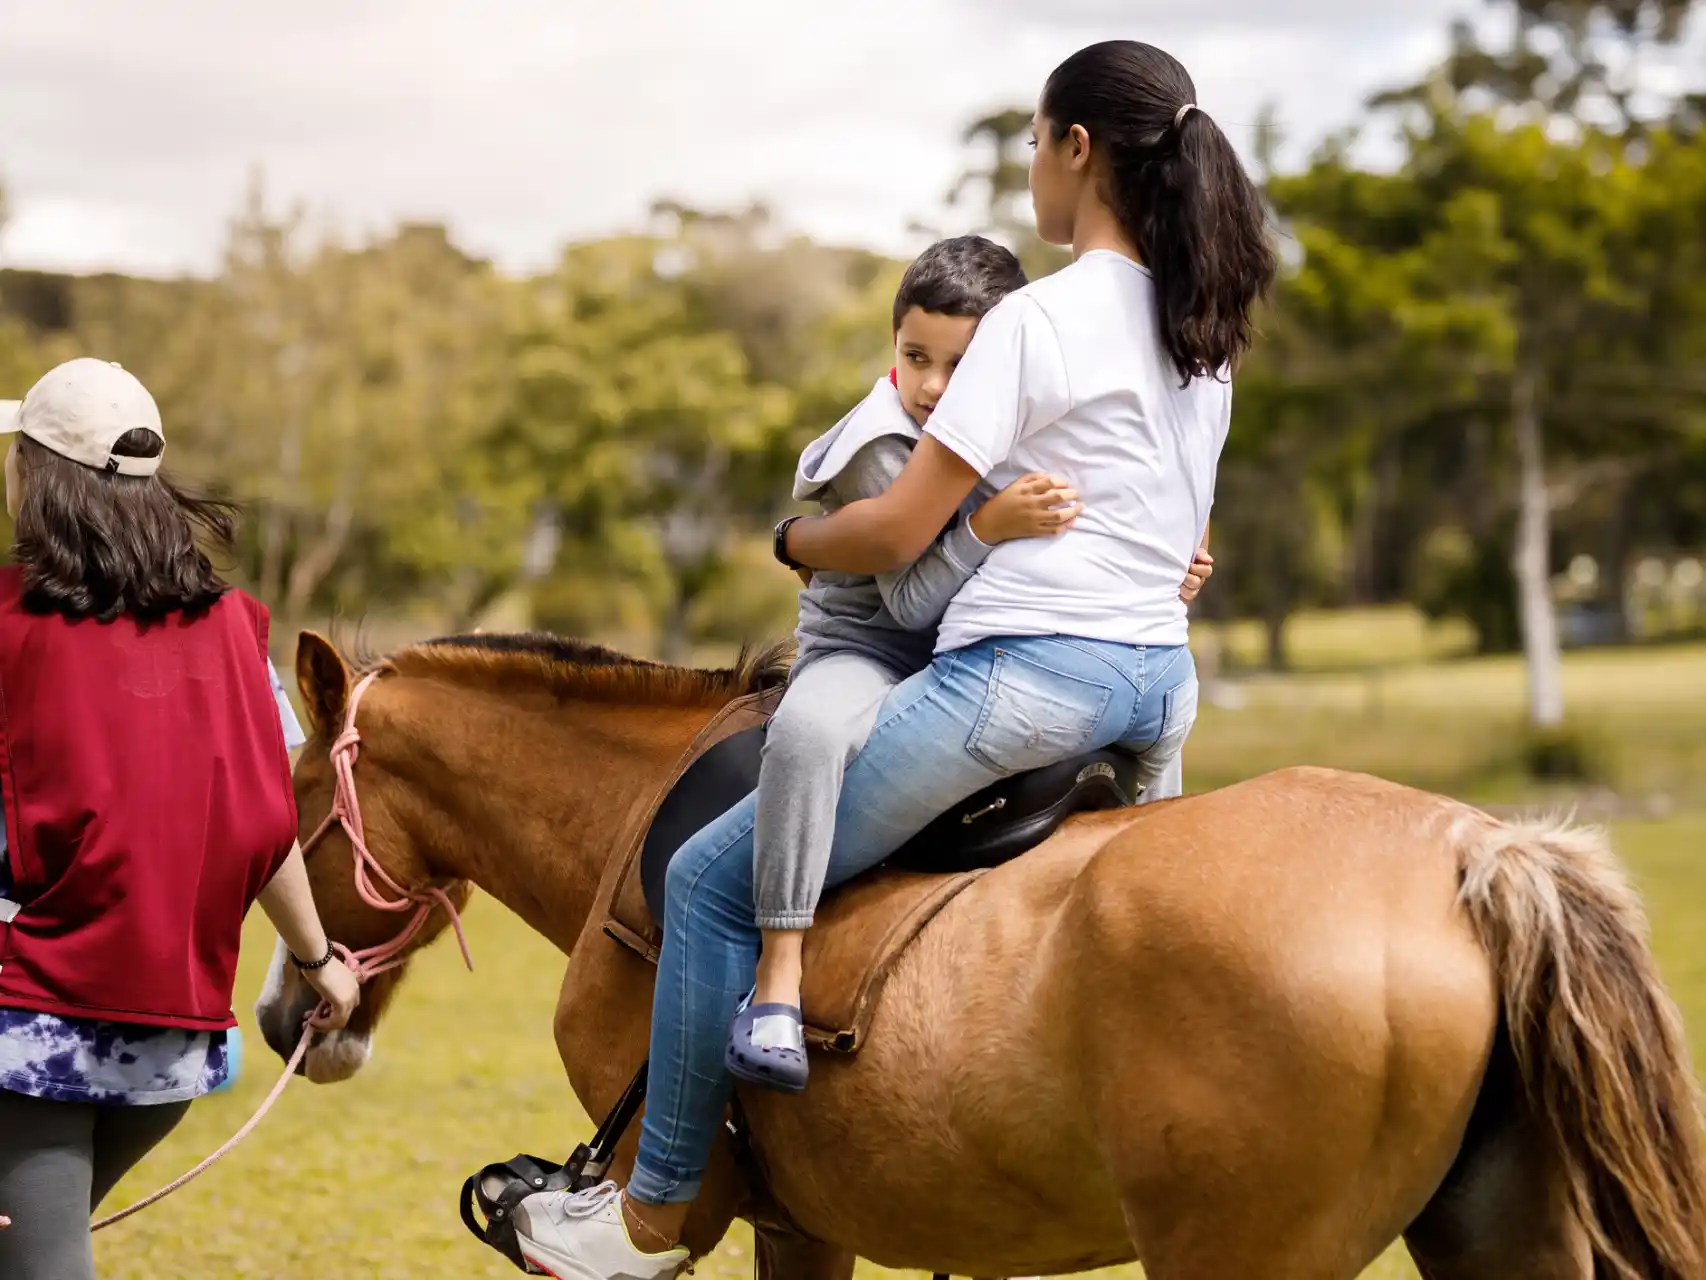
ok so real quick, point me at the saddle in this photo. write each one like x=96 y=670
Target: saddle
x=864 y=926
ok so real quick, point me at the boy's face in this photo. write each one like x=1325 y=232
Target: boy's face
x=927 y=348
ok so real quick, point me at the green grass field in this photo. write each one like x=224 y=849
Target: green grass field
x=359 y=1180
x=1458 y=726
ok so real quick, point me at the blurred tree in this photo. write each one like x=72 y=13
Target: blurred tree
x=1531 y=266
x=1588 y=61
x=997 y=183
x=340 y=391
x=20 y=360
x=1543 y=233
x=645 y=432
x=812 y=318
x=1487 y=267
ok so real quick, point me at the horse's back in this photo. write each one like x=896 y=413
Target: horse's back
x=1295 y=846
x=1161 y=985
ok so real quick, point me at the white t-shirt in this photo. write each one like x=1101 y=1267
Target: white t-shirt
x=1068 y=375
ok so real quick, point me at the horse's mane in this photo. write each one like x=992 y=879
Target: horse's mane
x=576 y=669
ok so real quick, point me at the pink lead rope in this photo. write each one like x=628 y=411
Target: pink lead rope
x=230 y=1145
x=364 y=964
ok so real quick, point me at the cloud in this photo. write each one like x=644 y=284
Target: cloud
x=1155 y=22
x=128 y=132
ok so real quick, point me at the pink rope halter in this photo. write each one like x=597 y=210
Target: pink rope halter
x=364 y=964
x=346 y=812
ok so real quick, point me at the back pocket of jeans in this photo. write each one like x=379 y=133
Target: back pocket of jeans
x=1178 y=716
x=1034 y=715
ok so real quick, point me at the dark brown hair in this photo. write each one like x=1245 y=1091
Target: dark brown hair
x=95 y=544
x=1179 y=191
x=962 y=276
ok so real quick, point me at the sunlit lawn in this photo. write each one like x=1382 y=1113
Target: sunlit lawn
x=359 y=1180
x=1384 y=691
x=1458 y=726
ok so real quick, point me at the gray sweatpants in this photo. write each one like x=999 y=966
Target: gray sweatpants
x=827 y=713
x=58 y=1160
x=822 y=723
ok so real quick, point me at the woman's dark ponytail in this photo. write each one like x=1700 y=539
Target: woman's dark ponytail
x=1179 y=191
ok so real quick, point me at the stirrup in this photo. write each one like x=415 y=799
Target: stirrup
x=527 y=1175
x=521 y=1177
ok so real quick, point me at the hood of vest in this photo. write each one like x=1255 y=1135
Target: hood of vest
x=879 y=414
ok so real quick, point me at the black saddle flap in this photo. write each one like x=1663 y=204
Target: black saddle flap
x=708 y=789
x=997 y=824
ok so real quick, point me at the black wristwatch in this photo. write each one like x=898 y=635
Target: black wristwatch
x=779 y=544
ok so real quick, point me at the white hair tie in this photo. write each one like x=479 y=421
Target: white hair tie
x=1183 y=112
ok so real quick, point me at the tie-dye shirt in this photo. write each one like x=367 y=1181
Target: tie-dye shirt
x=79 y=1060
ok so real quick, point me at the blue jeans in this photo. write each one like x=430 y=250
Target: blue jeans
x=994 y=708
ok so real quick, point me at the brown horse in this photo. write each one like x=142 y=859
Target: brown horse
x=1260 y=1032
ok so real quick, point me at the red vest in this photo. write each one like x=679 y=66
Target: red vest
x=148 y=802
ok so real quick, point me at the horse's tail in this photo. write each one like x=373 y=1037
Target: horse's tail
x=1597 y=1039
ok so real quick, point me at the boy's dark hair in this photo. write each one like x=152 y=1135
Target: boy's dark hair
x=94 y=544
x=1179 y=191
x=962 y=276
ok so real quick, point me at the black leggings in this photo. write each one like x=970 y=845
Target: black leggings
x=58 y=1160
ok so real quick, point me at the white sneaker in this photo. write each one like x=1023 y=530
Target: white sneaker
x=581 y=1236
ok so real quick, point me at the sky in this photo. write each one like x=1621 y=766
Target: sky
x=129 y=131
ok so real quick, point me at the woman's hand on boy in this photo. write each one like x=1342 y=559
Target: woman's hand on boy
x=1033 y=506
x=1201 y=570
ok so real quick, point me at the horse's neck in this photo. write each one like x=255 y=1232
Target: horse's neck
x=544 y=806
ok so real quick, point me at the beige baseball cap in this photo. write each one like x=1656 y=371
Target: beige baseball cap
x=80 y=409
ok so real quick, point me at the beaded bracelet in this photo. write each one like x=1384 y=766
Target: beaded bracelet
x=309 y=967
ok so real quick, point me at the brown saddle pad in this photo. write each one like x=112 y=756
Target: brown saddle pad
x=861 y=930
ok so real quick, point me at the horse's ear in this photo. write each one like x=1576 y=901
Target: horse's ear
x=324 y=679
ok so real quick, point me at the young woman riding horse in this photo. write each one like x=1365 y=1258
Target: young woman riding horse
x=1114 y=372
